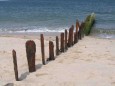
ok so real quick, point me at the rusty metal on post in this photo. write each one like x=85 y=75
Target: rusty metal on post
x=66 y=40
x=42 y=49
x=62 y=42
x=30 y=51
x=15 y=64
x=57 y=45
x=51 y=51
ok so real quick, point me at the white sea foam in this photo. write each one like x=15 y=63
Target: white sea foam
x=40 y=30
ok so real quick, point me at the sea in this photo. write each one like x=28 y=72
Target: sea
x=26 y=16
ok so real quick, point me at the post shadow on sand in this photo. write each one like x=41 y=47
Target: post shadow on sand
x=24 y=75
x=38 y=66
x=9 y=84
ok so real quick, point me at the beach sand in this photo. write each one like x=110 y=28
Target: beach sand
x=90 y=62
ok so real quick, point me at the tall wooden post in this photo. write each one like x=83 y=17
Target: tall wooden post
x=79 y=33
x=77 y=26
x=75 y=37
x=15 y=64
x=57 y=45
x=66 y=40
x=30 y=51
x=62 y=42
x=72 y=33
x=82 y=29
x=42 y=49
x=69 y=38
x=51 y=51
x=77 y=30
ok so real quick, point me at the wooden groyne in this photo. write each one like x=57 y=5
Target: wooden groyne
x=67 y=39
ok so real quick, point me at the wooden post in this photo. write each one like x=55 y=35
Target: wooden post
x=77 y=30
x=79 y=33
x=69 y=38
x=66 y=40
x=77 y=26
x=62 y=42
x=15 y=64
x=72 y=31
x=42 y=49
x=30 y=51
x=82 y=29
x=51 y=51
x=75 y=39
x=57 y=45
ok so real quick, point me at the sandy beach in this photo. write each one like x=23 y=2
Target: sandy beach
x=90 y=62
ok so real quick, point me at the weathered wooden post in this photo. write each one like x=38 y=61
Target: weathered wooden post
x=42 y=49
x=75 y=37
x=57 y=45
x=77 y=30
x=82 y=29
x=77 y=26
x=79 y=33
x=62 y=42
x=30 y=51
x=51 y=51
x=70 y=37
x=72 y=31
x=66 y=40
x=15 y=64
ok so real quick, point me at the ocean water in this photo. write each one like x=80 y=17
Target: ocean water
x=56 y=15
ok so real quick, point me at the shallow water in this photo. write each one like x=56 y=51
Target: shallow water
x=55 y=15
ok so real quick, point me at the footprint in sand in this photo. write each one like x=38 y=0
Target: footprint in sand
x=79 y=52
x=111 y=59
x=89 y=60
x=113 y=83
x=3 y=52
x=60 y=61
x=42 y=74
x=91 y=75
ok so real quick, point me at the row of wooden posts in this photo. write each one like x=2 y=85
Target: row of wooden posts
x=66 y=41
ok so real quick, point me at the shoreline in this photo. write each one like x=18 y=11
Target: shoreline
x=31 y=35
x=50 y=34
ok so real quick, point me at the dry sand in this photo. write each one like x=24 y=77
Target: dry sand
x=90 y=62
